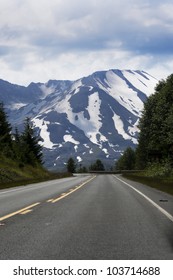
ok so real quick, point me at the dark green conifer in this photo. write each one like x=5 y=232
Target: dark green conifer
x=156 y=126
x=5 y=133
x=32 y=150
x=71 y=165
x=127 y=160
x=97 y=166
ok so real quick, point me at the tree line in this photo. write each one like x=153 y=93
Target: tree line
x=155 y=141
x=72 y=166
x=23 y=147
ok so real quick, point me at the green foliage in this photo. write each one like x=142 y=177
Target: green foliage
x=97 y=166
x=17 y=146
x=5 y=133
x=127 y=160
x=155 y=149
x=156 y=127
x=13 y=173
x=29 y=142
x=71 y=165
x=148 y=129
x=164 y=184
x=156 y=169
x=23 y=148
x=82 y=169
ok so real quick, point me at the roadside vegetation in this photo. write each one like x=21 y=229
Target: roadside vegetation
x=21 y=157
x=154 y=153
x=163 y=184
x=12 y=173
x=73 y=167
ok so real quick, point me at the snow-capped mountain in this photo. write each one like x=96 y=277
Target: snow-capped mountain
x=93 y=117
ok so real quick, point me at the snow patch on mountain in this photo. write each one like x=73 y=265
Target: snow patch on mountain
x=76 y=86
x=79 y=159
x=119 y=126
x=125 y=95
x=44 y=134
x=69 y=138
x=47 y=90
x=16 y=106
x=141 y=80
x=94 y=117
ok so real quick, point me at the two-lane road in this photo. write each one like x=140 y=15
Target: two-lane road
x=15 y=198
x=106 y=217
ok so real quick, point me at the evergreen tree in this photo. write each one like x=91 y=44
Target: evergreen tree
x=97 y=166
x=82 y=169
x=71 y=166
x=156 y=126
x=147 y=130
x=32 y=150
x=18 y=146
x=5 y=133
x=127 y=160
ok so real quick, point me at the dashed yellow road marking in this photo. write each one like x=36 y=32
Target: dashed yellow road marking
x=26 y=212
x=71 y=191
x=49 y=200
x=19 y=211
x=28 y=209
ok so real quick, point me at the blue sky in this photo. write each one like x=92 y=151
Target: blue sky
x=69 y=39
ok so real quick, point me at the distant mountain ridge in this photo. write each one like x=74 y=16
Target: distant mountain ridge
x=93 y=117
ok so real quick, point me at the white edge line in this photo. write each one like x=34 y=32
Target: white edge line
x=163 y=211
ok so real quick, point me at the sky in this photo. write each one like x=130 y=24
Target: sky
x=70 y=39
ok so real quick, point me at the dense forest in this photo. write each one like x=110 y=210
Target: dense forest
x=155 y=141
x=23 y=148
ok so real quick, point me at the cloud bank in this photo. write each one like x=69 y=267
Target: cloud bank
x=67 y=39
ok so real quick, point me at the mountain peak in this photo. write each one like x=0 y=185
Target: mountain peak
x=93 y=117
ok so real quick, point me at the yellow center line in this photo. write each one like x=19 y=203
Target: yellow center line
x=19 y=211
x=26 y=212
x=50 y=200
x=71 y=191
x=28 y=208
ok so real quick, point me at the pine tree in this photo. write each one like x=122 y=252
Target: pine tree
x=127 y=160
x=5 y=133
x=17 y=145
x=32 y=150
x=148 y=129
x=71 y=166
x=156 y=126
x=97 y=166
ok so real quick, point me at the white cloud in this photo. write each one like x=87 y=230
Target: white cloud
x=67 y=39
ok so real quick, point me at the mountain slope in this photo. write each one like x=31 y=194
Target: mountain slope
x=93 y=117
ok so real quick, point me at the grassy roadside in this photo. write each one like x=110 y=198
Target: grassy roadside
x=14 y=174
x=164 y=184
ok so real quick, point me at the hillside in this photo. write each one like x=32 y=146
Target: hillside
x=14 y=174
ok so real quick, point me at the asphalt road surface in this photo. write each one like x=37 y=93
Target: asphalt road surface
x=86 y=217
